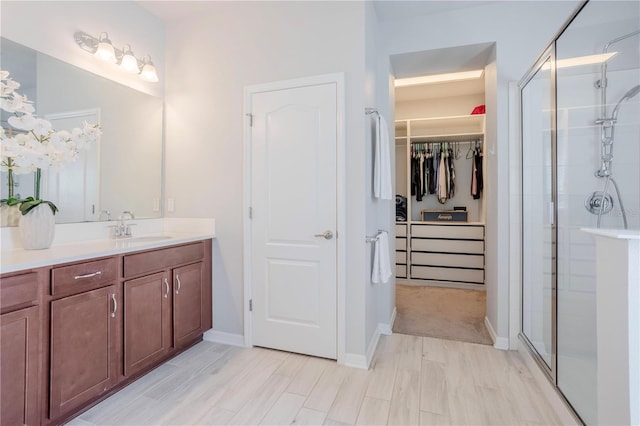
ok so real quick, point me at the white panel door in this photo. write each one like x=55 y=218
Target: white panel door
x=75 y=188
x=293 y=199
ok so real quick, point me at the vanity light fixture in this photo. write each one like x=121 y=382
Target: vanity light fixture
x=148 y=72
x=128 y=62
x=103 y=48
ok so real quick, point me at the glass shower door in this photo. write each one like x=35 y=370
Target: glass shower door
x=538 y=216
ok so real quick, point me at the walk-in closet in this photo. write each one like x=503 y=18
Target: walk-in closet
x=440 y=209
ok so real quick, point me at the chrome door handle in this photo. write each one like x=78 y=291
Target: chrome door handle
x=179 y=284
x=327 y=235
x=115 y=306
x=166 y=284
x=95 y=274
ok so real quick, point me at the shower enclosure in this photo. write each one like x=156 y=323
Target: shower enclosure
x=580 y=122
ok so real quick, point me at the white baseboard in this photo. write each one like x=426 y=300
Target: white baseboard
x=225 y=338
x=501 y=343
x=356 y=361
x=387 y=329
x=364 y=361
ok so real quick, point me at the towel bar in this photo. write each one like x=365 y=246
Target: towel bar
x=374 y=238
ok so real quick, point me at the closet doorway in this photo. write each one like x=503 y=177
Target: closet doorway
x=440 y=207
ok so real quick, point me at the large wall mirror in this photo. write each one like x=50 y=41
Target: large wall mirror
x=121 y=173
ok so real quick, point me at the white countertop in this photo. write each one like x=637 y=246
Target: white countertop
x=20 y=259
x=620 y=234
x=81 y=241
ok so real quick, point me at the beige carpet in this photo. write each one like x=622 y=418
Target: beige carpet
x=445 y=313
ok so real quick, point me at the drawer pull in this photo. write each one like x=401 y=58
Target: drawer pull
x=95 y=274
x=179 y=284
x=115 y=305
x=166 y=283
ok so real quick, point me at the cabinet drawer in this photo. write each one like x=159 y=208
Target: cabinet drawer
x=83 y=276
x=447 y=246
x=152 y=261
x=448 y=231
x=401 y=257
x=401 y=271
x=442 y=259
x=401 y=230
x=401 y=243
x=448 y=274
x=18 y=291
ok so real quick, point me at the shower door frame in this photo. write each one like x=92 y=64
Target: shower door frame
x=548 y=55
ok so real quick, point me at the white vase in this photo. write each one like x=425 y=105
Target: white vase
x=37 y=228
x=9 y=215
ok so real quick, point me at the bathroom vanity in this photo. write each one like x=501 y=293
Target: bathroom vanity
x=77 y=327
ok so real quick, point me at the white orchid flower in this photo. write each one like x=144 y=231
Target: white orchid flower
x=42 y=127
x=23 y=122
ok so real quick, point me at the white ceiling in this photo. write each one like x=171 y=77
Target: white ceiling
x=390 y=10
x=386 y=10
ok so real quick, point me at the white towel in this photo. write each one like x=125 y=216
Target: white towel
x=382 y=164
x=381 y=264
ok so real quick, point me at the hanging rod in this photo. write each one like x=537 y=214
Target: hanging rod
x=370 y=111
x=441 y=142
x=375 y=237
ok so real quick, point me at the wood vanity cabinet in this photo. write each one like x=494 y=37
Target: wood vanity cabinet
x=84 y=320
x=19 y=349
x=75 y=333
x=167 y=308
x=147 y=321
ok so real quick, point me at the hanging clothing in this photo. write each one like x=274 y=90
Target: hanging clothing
x=416 y=187
x=442 y=180
x=452 y=175
x=381 y=263
x=478 y=172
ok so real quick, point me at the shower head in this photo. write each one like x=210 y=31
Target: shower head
x=627 y=96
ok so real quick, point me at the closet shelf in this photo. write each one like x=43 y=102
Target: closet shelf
x=447 y=137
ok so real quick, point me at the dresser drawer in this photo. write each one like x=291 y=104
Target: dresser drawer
x=447 y=246
x=84 y=276
x=401 y=271
x=475 y=276
x=401 y=257
x=443 y=259
x=157 y=260
x=401 y=230
x=401 y=243
x=18 y=291
x=463 y=232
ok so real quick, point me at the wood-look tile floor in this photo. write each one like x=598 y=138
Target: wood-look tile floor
x=412 y=380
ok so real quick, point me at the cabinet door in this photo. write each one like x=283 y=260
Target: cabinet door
x=147 y=321
x=83 y=348
x=187 y=304
x=19 y=367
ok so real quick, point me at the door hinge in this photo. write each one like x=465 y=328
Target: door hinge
x=250 y=119
x=250 y=212
x=250 y=305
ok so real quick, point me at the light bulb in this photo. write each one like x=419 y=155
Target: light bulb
x=105 y=50
x=148 y=72
x=128 y=62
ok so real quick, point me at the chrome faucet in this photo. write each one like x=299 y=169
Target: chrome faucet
x=123 y=229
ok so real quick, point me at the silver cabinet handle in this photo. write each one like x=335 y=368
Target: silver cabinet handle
x=115 y=305
x=95 y=274
x=179 y=284
x=166 y=283
x=327 y=235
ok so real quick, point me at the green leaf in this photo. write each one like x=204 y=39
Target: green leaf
x=27 y=206
x=11 y=201
x=54 y=209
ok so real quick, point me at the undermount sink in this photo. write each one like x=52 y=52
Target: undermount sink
x=148 y=239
